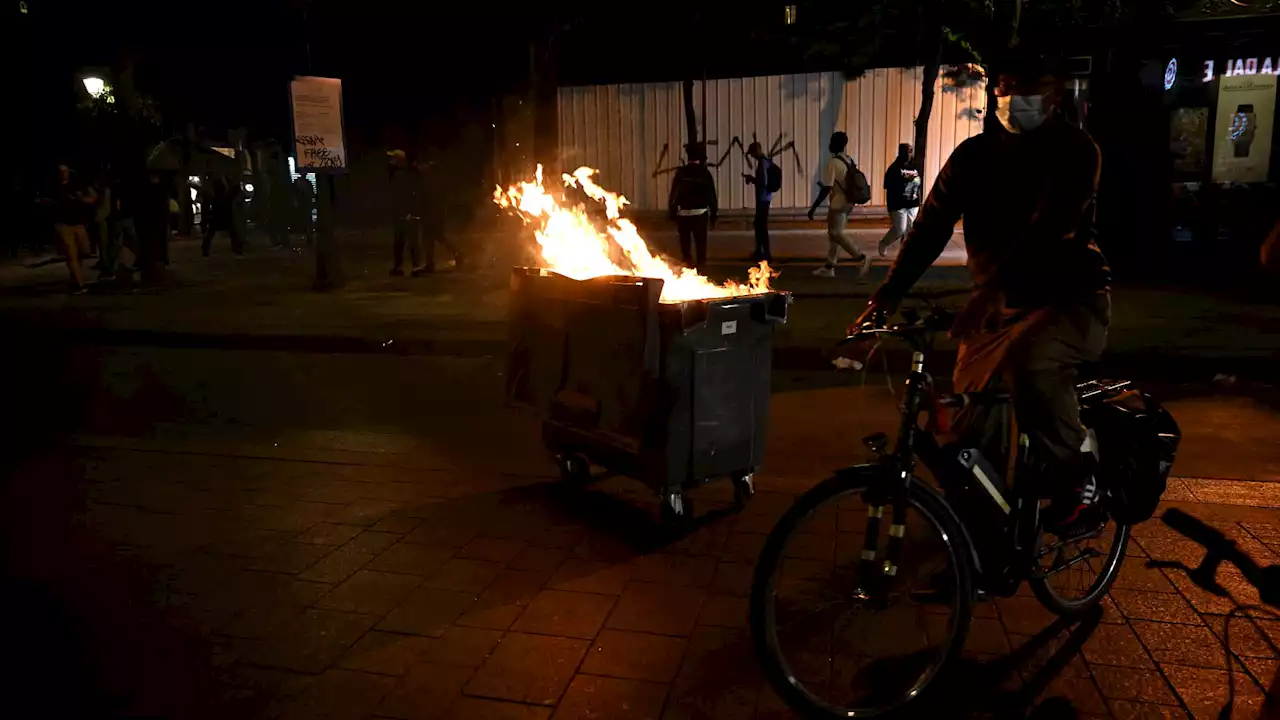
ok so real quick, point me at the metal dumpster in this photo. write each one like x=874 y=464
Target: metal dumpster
x=675 y=395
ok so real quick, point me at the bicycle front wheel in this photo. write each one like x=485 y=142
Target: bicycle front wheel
x=829 y=646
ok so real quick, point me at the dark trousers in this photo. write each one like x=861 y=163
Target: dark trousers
x=693 y=232
x=761 y=225
x=433 y=232
x=211 y=229
x=406 y=231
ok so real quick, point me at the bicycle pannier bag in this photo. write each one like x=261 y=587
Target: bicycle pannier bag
x=1137 y=442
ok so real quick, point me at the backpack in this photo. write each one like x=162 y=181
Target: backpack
x=855 y=187
x=773 y=177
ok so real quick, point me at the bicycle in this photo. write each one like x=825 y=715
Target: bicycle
x=989 y=536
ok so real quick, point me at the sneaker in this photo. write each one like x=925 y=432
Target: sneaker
x=825 y=271
x=884 y=249
x=419 y=272
x=864 y=265
x=79 y=290
x=397 y=272
x=1075 y=512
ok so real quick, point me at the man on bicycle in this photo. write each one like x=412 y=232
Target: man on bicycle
x=1041 y=301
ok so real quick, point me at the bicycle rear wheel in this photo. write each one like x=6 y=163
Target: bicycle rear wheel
x=821 y=660
x=1073 y=576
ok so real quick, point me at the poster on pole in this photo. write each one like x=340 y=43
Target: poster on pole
x=1242 y=133
x=317 y=123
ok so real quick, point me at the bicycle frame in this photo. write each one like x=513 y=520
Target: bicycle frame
x=1002 y=569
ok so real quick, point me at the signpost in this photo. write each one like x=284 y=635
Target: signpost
x=320 y=147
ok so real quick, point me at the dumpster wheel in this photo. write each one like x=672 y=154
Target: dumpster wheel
x=676 y=508
x=744 y=488
x=575 y=469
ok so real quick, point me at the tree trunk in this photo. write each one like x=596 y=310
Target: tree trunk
x=926 y=111
x=690 y=114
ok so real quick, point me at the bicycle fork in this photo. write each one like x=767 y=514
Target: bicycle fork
x=893 y=493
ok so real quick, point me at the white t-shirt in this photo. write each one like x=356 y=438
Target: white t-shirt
x=833 y=176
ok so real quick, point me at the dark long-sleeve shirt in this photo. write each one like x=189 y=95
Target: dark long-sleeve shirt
x=1028 y=207
x=693 y=189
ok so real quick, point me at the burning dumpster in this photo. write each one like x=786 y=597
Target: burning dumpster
x=641 y=369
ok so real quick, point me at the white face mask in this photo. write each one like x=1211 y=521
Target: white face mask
x=1020 y=113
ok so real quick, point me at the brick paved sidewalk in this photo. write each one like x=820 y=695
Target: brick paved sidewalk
x=359 y=575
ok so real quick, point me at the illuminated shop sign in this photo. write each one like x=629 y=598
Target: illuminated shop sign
x=1241 y=66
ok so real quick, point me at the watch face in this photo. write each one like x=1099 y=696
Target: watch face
x=1239 y=125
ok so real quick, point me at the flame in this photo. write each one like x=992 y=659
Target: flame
x=574 y=246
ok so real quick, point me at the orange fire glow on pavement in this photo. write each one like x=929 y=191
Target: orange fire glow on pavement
x=573 y=245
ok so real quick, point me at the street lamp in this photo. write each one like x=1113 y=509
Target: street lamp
x=95 y=86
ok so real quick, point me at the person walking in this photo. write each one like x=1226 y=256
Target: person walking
x=304 y=197
x=404 y=194
x=693 y=205
x=845 y=185
x=902 y=195
x=153 y=216
x=124 y=231
x=99 y=231
x=72 y=206
x=219 y=214
x=434 y=216
x=764 y=197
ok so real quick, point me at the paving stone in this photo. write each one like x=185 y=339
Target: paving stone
x=1116 y=645
x=1024 y=615
x=336 y=566
x=371 y=541
x=568 y=614
x=1081 y=692
x=635 y=656
x=370 y=592
x=399 y=524
x=589 y=576
x=1126 y=710
x=724 y=611
x=659 y=609
x=1144 y=686
x=309 y=643
x=1161 y=607
x=290 y=557
x=528 y=668
x=468 y=647
x=427 y=691
x=386 y=653
x=338 y=695
x=329 y=534
x=492 y=549
x=733 y=579
x=540 y=559
x=427 y=611
x=471 y=576
x=678 y=570
x=412 y=559
x=604 y=698
x=1137 y=576
x=1181 y=644
x=505 y=599
x=1205 y=691
x=469 y=708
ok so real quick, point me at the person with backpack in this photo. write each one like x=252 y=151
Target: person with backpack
x=768 y=180
x=902 y=195
x=845 y=184
x=693 y=204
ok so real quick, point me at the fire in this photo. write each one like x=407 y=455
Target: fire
x=574 y=246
